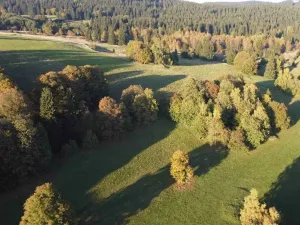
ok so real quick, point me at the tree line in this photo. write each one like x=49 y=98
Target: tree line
x=166 y=16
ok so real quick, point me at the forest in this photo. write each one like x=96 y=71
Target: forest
x=199 y=109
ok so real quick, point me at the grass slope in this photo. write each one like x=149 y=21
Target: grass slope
x=128 y=181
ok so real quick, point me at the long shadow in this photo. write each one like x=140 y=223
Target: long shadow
x=26 y=65
x=197 y=62
x=123 y=75
x=87 y=169
x=154 y=82
x=282 y=97
x=117 y=208
x=285 y=194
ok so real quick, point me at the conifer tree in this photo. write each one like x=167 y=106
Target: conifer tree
x=270 y=69
x=46 y=206
x=47 y=105
x=121 y=37
x=255 y=213
x=111 y=36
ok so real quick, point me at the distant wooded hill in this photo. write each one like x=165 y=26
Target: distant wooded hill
x=170 y=15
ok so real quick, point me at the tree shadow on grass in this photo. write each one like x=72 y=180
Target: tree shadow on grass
x=25 y=66
x=117 y=208
x=282 y=97
x=285 y=194
x=155 y=82
x=123 y=75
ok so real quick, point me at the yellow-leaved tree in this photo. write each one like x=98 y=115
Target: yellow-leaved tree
x=255 y=213
x=181 y=171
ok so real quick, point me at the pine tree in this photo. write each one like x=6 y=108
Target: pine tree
x=111 y=37
x=270 y=69
x=47 y=105
x=46 y=206
x=121 y=37
x=255 y=213
x=90 y=141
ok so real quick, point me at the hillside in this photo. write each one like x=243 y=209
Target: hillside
x=135 y=187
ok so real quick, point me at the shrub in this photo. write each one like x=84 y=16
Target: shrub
x=180 y=169
x=46 y=206
x=90 y=141
x=254 y=213
x=245 y=63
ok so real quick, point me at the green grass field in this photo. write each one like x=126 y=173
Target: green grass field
x=127 y=181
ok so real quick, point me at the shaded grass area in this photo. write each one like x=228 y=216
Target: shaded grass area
x=127 y=181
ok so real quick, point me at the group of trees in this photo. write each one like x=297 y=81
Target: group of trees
x=155 y=52
x=228 y=112
x=288 y=82
x=75 y=112
x=24 y=145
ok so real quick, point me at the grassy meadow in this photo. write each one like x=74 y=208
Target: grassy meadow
x=127 y=181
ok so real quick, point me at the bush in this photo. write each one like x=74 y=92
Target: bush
x=245 y=63
x=180 y=169
x=254 y=213
x=90 y=141
x=46 y=206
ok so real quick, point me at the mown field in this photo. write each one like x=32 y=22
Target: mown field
x=127 y=181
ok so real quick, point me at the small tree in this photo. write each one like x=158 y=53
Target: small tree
x=254 y=213
x=270 y=69
x=245 y=62
x=90 y=141
x=46 y=206
x=230 y=55
x=180 y=169
x=109 y=119
x=111 y=36
x=121 y=37
x=47 y=105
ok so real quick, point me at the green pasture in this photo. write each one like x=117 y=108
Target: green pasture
x=127 y=181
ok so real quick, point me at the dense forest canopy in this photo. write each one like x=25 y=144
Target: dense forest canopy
x=170 y=15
